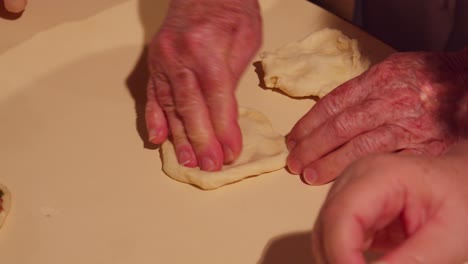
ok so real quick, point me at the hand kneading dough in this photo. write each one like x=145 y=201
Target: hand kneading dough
x=315 y=65
x=264 y=150
x=5 y=202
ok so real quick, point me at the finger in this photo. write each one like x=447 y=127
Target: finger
x=335 y=132
x=380 y=140
x=342 y=97
x=183 y=149
x=246 y=43
x=425 y=247
x=156 y=123
x=347 y=223
x=389 y=238
x=192 y=110
x=218 y=86
x=15 y=6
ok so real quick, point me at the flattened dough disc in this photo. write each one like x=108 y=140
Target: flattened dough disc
x=315 y=65
x=264 y=150
x=5 y=203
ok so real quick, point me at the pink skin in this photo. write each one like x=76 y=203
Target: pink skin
x=15 y=6
x=196 y=60
x=410 y=208
x=410 y=102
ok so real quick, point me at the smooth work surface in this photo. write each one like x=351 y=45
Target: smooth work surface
x=88 y=189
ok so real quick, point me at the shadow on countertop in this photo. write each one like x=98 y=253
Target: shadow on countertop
x=296 y=248
x=151 y=16
x=290 y=248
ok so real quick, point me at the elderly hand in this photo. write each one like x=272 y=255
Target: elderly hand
x=410 y=102
x=15 y=6
x=411 y=209
x=196 y=60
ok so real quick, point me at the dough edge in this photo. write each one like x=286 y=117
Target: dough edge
x=277 y=80
x=213 y=180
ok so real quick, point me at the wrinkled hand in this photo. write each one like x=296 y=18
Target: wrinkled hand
x=196 y=60
x=410 y=102
x=411 y=209
x=15 y=6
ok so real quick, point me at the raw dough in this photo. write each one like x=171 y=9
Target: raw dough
x=5 y=202
x=315 y=65
x=264 y=150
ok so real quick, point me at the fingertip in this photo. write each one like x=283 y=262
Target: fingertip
x=229 y=155
x=290 y=144
x=232 y=147
x=15 y=6
x=294 y=165
x=209 y=156
x=157 y=136
x=157 y=129
x=186 y=157
x=208 y=163
x=315 y=174
x=155 y=119
x=228 y=132
x=310 y=176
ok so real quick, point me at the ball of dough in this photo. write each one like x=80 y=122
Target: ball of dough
x=315 y=65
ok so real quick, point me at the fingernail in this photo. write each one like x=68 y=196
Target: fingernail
x=310 y=176
x=152 y=134
x=207 y=164
x=291 y=144
x=185 y=158
x=294 y=166
x=14 y=6
x=228 y=154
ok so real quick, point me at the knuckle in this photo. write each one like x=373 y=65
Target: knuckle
x=183 y=76
x=382 y=71
x=329 y=104
x=166 y=102
x=163 y=43
x=178 y=137
x=164 y=97
x=201 y=139
x=187 y=105
x=340 y=127
x=195 y=39
x=186 y=97
x=364 y=145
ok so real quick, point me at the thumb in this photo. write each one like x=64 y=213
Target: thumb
x=425 y=245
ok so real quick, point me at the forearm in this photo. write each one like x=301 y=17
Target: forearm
x=227 y=13
x=194 y=5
